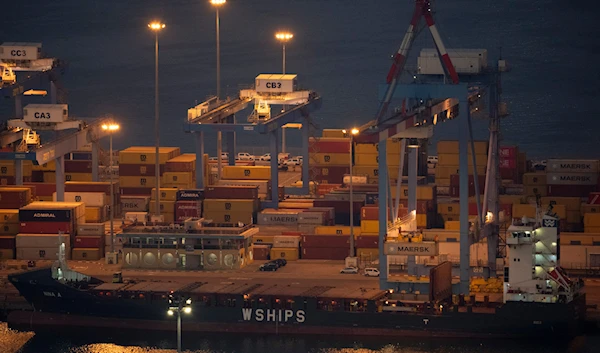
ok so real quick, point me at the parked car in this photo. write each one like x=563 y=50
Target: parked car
x=293 y=161
x=371 y=272
x=265 y=157
x=243 y=156
x=269 y=266
x=280 y=262
x=351 y=270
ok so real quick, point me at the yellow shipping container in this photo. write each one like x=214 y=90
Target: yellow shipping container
x=373 y=160
x=228 y=217
x=449 y=208
x=93 y=215
x=136 y=181
x=336 y=230
x=572 y=203
x=290 y=254
x=560 y=210
x=369 y=226
x=7 y=254
x=594 y=230
x=531 y=190
x=373 y=172
x=421 y=221
x=393 y=147
x=586 y=208
x=582 y=238
x=168 y=217
x=509 y=199
x=246 y=172
x=444 y=171
x=225 y=205
x=591 y=220
x=442 y=182
x=452 y=225
x=573 y=217
x=87 y=254
x=534 y=179
x=445 y=159
x=367 y=253
x=9 y=228
x=46 y=167
x=451 y=147
x=9 y=216
x=329 y=158
x=184 y=158
x=165 y=206
x=49 y=177
x=263 y=239
x=78 y=177
x=178 y=177
x=337 y=133
x=44 y=198
x=166 y=194
x=519 y=211
x=424 y=192
x=180 y=185
x=147 y=155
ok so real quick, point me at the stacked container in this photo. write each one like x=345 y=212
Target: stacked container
x=366 y=160
x=79 y=169
x=40 y=225
x=167 y=198
x=189 y=204
x=285 y=247
x=329 y=159
x=231 y=204
x=89 y=243
x=7 y=172
x=11 y=199
x=571 y=177
x=96 y=204
x=134 y=203
x=264 y=186
x=327 y=246
x=342 y=210
x=137 y=170
x=313 y=217
x=180 y=172
x=448 y=164
x=573 y=215
x=509 y=156
x=246 y=173
x=535 y=184
x=44 y=173
x=97 y=214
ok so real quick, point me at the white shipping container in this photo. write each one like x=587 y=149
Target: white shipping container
x=45 y=113
x=272 y=217
x=275 y=83
x=356 y=179
x=90 y=199
x=331 y=211
x=286 y=241
x=91 y=229
x=264 y=186
x=134 y=203
x=307 y=228
x=433 y=66
x=41 y=240
x=316 y=218
x=39 y=253
x=572 y=178
x=572 y=165
x=136 y=216
x=20 y=51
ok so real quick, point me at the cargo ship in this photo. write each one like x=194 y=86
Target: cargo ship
x=538 y=299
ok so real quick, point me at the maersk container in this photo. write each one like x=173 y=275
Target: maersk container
x=572 y=178
x=315 y=217
x=45 y=113
x=275 y=83
x=134 y=203
x=571 y=166
x=273 y=217
x=93 y=229
x=20 y=51
x=286 y=241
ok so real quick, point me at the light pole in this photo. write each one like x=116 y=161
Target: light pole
x=178 y=306
x=352 y=133
x=156 y=27
x=283 y=37
x=217 y=4
x=111 y=128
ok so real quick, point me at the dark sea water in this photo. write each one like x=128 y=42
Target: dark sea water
x=342 y=50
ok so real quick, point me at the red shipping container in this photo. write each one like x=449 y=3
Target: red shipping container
x=231 y=192
x=325 y=241
x=180 y=166
x=187 y=209
x=7 y=242
x=329 y=174
x=46 y=227
x=291 y=233
x=507 y=163
x=136 y=191
x=329 y=145
x=340 y=206
x=594 y=198
x=455 y=180
x=89 y=241
x=325 y=253
x=371 y=213
x=261 y=252
x=13 y=198
x=83 y=186
x=43 y=189
x=423 y=206
x=139 y=169
x=512 y=174
x=10 y=180
x=571 y=190
x=360 y=188
x=78 y=166
x=323 y=189
x=508 y=152
x=367 y=242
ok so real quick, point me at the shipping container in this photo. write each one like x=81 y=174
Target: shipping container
x=534 y=179
x=87 y=241
x=508 y=152
x=166 y=194
x=590 y=208
x=50 y=227
x=243 y=172
x=263 y=239
x=409 y=249
x=165 y=206
x=329 y=210
x=313 y=217
x=7 y=254
x=286 y=241
x=289 y=254
x=45 y=113
x=329 y=253
x=367 y=242
x=134 y=203
x=572 y=178
x=25 y=240
x=147 y=155
x=182 y=163
x=190 y=195
x=78 y=177
x=187 y=209
x=20 y=51
x=90 y=199
x=39 y=253
x=261 y=252
x=14 y=197
x=367 y=253
x=9 y=216
x=231 y=192
x=276 y=83
x=329 y=145
x=572 y=166
x=184 y=178
x=264 y=186
x=9 y=228
x=326 y=241
x=330 y=174
x=87 y=254
x=447 y=159
x=148 y=170
x=393 y=147
x=136 y=181
x=229 y=217
x=78 y=166
x=338 y=159
x=94 y=229
x=95 y=214
x=7 y=242
x=571 y=190
x=572 y=203
x=94 y=186
x=275 y=217
x=230 y=205
x=371 y=213
x=51 y=211
x=136 y=191
x=451 y=147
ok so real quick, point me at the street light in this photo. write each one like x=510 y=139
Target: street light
x=156 y=27
x=217 y=4
x=178 y=306
x=353 y=132
x=284 y=37
x=111 y=129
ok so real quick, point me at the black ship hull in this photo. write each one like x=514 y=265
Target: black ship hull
x=57 y=304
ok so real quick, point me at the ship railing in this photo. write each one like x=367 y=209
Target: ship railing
x=221 y=229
